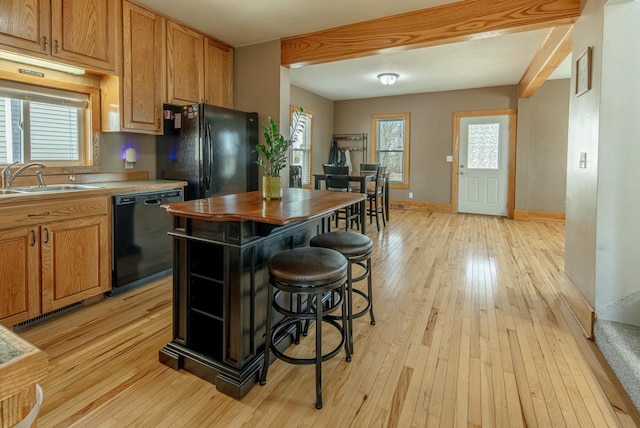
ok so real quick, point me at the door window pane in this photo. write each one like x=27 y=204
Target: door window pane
x=484 y=146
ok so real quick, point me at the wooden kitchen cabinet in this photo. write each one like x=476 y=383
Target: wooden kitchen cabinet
x=20 y=273
x=185 y=65
x=85 y=31
x=75 y=261
x=26 y=25
x=79 y=32
x=144 y=59
x=55 y=254
x=218 y=74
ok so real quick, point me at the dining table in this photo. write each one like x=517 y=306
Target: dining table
x=362 y=178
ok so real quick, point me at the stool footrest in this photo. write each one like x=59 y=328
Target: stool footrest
x=306 y=361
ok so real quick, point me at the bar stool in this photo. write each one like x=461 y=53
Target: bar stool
x=357 y=248
x=319 y=274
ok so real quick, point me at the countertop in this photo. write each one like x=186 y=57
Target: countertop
x=21 y=364
x=295 y=205
x=101 y=189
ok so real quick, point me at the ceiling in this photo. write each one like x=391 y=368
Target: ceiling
x=495 y=61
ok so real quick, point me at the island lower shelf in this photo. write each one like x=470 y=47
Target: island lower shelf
x=220 y=296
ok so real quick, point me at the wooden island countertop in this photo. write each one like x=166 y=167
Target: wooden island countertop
x=295 y=205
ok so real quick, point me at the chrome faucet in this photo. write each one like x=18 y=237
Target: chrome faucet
x=7 y=177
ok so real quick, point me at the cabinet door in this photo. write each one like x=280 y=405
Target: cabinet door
x=85 y=31
x=218 y=74
x=143 y=50
x=24 y=24
x=184 y=65
x=75 y=260
x=20 y=275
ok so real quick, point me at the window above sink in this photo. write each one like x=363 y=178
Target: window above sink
x=42 y=124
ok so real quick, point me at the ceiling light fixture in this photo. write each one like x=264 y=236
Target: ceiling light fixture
x=40 y=63
x=388 y=79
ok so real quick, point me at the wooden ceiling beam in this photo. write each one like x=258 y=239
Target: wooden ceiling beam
x=554 y=49
x=464 y=20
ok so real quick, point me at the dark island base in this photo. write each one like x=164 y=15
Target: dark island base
x=221 y=279
x=234 y=383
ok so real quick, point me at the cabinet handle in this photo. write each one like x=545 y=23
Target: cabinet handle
x=40 y=214
x=46 y=235
x=45 y=43
x=33 y=237
x=57 y=46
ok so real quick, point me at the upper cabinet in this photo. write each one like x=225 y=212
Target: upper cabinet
x=26 y=24
x=185 y=65
x=218 y=74
x=85 y=31
x=199 y=69
x=80 y=32
x=144 y=58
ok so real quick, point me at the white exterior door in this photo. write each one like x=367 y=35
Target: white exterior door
x=483 y=165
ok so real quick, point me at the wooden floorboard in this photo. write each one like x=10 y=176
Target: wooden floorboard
x=470 y=332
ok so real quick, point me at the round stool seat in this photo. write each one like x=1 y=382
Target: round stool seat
x=351 y=244
x=307 y=267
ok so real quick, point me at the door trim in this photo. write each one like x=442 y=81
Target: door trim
x=511 y=189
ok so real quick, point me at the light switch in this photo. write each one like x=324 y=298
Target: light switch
x=583 y=160
x=449 y=158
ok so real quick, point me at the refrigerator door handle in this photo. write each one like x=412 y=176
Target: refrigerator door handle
x=210 y=148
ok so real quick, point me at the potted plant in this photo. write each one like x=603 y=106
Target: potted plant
x=272 y=156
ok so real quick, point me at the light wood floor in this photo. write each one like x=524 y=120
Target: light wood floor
x=470 y=332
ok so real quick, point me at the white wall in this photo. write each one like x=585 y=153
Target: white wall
x=582 y=183
x=618 y=201
x=541 y=155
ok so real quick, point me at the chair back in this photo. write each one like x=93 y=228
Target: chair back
x=337 y=178
x=368 y=167
x=380 y=179
x=327 y=165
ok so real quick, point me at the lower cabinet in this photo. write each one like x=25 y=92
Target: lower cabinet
x=60 y=258
x=20 y=273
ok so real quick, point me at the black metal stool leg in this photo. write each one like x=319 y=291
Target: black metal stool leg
x=347 y=349
x=318 y=351
x=349 y=303
x=370 y=289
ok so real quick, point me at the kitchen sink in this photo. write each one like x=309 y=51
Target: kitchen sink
x=52 y=188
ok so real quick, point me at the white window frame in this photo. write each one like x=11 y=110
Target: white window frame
x=306 y=146
x=394 y=183
x=29 y=94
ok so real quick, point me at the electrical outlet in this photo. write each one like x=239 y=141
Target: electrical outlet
x=449 y=158
x=410 y=195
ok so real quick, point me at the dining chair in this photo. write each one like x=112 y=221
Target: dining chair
x=375 y=197
x=336 y=179
x=367 y=167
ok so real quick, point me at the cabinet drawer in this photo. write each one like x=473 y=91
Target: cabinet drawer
x=39 y=213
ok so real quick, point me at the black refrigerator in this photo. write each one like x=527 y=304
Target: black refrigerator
x=212 y=148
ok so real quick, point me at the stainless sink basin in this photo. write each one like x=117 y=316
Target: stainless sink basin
x=52 y=188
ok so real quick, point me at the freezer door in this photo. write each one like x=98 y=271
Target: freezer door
x=225 y=159
x=179 y=151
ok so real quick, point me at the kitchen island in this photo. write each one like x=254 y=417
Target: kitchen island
x=222 y=246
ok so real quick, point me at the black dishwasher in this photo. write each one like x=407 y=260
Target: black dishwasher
x=142 y=250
